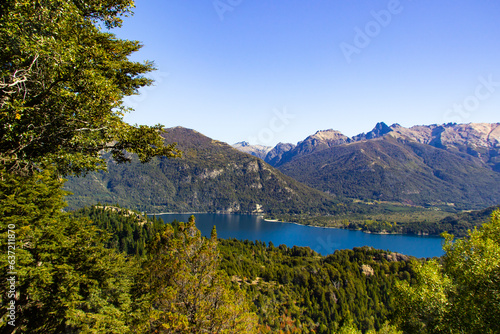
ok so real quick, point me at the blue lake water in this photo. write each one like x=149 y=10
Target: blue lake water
x=322 y=240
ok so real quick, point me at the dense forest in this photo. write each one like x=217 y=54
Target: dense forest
x=210 y=176
x=292 y=289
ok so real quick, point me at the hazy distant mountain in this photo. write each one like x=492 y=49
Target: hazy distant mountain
x=211 y=176
x=394 y=167
x=260 y=151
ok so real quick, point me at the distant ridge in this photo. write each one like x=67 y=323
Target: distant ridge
x=210 y=177
x=448 y=164
x=454 y=165
x=481 y=140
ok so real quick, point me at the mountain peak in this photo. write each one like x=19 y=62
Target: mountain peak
x=379 y=130
x=321 y=140
x=260 y=151
x=241 y=144
x=329 y=134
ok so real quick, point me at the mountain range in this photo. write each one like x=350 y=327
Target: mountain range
x=210 y=176
x=454 y=164
x=481 y=140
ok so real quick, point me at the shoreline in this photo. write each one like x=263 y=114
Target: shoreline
x=204 y=212
x=358 y=230
x=285 y=222
x=174 y=213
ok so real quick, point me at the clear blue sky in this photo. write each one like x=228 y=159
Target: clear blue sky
x=266 y=71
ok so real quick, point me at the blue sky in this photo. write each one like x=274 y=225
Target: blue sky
x=266 y=71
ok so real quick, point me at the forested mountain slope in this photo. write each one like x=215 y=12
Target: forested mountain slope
x=210 y=176
x=395 y=168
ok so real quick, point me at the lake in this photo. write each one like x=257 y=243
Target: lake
x=323 y=240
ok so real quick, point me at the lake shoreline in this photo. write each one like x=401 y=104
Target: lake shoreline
x=322 y=239
x=280 y=221
x=358 y=230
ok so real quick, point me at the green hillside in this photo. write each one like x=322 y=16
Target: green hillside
x=210 y=176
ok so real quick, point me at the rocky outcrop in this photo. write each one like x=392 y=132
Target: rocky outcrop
x=367 y=270
x=259 y=151
x=394 y=257
x=378 y=131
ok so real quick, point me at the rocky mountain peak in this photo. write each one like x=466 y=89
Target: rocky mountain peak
x=329 y=135
x=260 y=151
x=326 y=138
x=241 y=144
x=378 y=131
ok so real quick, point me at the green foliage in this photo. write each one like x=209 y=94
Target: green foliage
x=65 y=282
x=461 y=294
x=385 y=329
x=69 y=282
x=129 y=232
x=181 y=290
x=62 y=80
x=297 y=290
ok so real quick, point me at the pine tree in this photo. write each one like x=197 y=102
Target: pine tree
x=64 y=278
x=181 y=289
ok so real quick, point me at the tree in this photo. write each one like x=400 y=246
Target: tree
x=65 y=280
x=181 y=289
x=63 y=76
x=386 y=328
x=461 y=294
